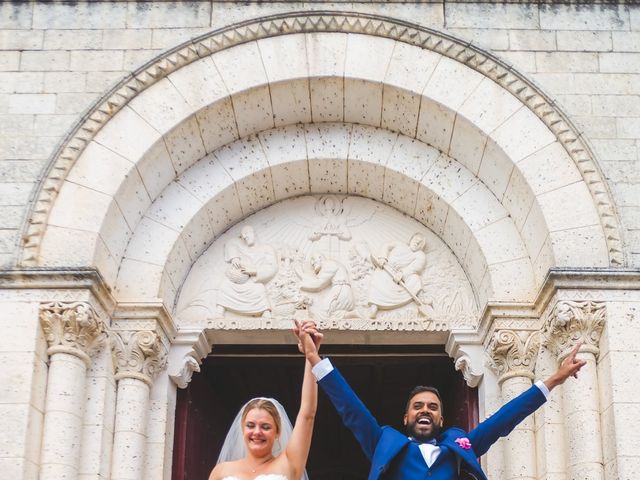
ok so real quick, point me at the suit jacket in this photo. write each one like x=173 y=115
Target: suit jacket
x=394 y=456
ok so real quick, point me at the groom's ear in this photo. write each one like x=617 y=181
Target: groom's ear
x=404 y=420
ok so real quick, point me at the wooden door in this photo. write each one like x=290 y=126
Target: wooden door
x=381 y=375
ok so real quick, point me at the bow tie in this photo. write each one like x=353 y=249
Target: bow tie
x=431 y=442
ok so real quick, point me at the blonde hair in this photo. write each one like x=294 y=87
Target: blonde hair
x=267 y=406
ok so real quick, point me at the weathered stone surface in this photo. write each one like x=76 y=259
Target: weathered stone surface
x=575 y=17
x=492 y=16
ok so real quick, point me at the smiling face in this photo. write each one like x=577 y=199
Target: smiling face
x=260 y=432
x=423 y=419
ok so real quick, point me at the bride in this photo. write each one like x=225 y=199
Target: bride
x=260 y=444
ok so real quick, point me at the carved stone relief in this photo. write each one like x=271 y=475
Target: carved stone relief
x=138 y=354
x=572 y=322
x=250 y=267
x=513 y=353
x=72 y=327
x=183 y=376
x=464 y=364
x=347 y=262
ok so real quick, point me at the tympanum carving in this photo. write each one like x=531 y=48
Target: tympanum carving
x=347 y=262
x=251 y=266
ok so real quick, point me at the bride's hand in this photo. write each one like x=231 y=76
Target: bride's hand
x=309 y=339
x=299 y=333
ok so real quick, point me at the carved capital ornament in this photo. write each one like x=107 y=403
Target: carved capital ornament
x=73 y=328
x=138 y=354
x=189 y=366
x=574 y=322
x=514 y=353
x=464 y=365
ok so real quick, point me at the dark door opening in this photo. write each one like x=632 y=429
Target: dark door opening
x=381 y=375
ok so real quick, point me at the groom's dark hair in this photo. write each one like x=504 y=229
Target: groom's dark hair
x=420 y=389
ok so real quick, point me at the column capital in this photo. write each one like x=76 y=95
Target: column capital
x=72 y=327
x=513 y=353
x=572 y=322
x=138 y=354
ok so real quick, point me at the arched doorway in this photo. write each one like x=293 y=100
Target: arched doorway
x=382 y=375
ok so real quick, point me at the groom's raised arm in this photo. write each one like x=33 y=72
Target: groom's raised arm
x=353 y=412
x=501 y=423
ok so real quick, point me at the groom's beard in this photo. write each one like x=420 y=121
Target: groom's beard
x=419 y=434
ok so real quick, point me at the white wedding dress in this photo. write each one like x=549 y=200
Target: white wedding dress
x=268 y=476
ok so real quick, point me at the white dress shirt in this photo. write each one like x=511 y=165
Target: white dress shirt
x=429 y=450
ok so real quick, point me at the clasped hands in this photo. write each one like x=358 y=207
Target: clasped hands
x=309 y=338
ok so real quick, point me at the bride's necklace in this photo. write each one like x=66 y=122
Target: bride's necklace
x=259 y=466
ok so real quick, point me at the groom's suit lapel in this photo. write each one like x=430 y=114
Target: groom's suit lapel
x=468 y=456
x=390 y=444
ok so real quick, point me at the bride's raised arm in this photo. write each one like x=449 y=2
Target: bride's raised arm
x=297 y=449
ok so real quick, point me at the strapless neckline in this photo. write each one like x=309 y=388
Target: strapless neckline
x=268 y=476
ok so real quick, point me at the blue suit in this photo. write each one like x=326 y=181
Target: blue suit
x=394 y=457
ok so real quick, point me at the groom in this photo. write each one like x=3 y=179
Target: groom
x=424 y=450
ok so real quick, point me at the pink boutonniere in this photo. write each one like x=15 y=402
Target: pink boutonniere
x=464 y=443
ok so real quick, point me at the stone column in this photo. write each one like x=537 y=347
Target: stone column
x=513 y=354
x=569 y=324
x=138 y=356
x=73 y=331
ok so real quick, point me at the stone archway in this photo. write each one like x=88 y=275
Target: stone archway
x=488 y=109
x=179 y=152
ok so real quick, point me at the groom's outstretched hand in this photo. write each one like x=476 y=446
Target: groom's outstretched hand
x=309 y=339
x=569 y=367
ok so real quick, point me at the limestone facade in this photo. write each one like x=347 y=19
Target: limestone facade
x=175 y=174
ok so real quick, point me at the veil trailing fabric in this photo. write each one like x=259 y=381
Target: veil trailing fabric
x=234 y=447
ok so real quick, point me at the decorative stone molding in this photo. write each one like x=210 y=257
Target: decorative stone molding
x=573 y=322
x=187 y=351
x=513 y=353
x=323 y=21
x=464 y=365
x=72 y=327
x=65 y=285
x=464 y=347
x=152 y=316
x=183 y=377
x=138 y=354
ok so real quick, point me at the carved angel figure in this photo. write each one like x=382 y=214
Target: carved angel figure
x=331 y=219
x=250 y=267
